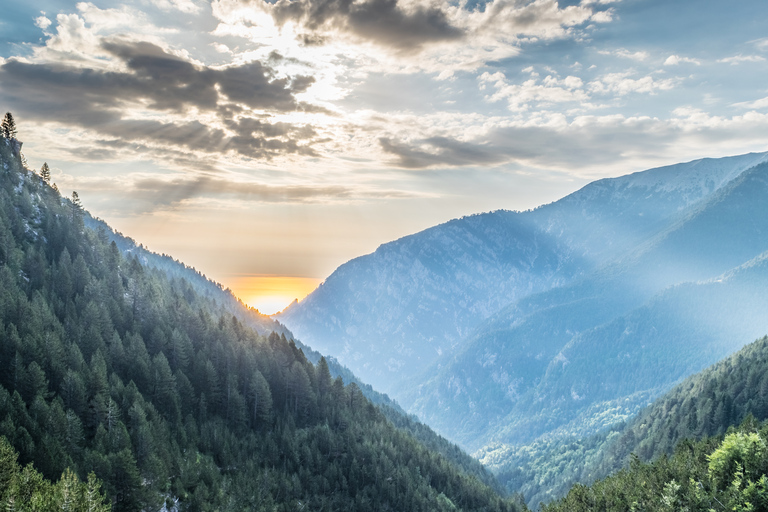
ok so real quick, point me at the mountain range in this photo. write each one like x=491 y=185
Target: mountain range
x=546 y=340
x=509 y=328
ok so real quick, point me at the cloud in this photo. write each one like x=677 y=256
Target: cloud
x=434 y=35
x=152 y=193
x=621 y=84
x=185 y=6
x=543 y=19
x=674 y=60
x=626 y=54
x=173 y=191
x=386 y=22
x=119 y=103
x=761 y=44
x=756 y=105
x=42 y=22
x=738 y=59
x=534 y=92
x=441 y=151
x=171 y=83
x=585 y=144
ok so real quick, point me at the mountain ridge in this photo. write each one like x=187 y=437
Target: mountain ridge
x=545 y=248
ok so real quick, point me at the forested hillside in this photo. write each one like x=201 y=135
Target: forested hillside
x=717 y=473
x=704 y=405
x=108 y=365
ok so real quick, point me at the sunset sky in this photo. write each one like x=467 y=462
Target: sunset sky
x=268 y=142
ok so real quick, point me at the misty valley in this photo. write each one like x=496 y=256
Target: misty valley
x=606 y=351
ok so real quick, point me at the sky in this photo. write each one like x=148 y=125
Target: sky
x=267 y=142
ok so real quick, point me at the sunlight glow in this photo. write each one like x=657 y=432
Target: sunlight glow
x=271 y=293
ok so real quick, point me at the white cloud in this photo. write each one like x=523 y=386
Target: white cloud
x=42 y=22
x=185 y=6
x=539 y=19
x=674 y=60
x=621 y=84
x=756 y=104
x=761 y=44
x=534 y=92
x=626 y=54
x=738 y=59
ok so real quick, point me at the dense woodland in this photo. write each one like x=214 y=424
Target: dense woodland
x=704 y=405
x=712 y=474
x=110 y=366
x=24 y=489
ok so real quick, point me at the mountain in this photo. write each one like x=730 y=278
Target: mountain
x=145 y=377
x=390 y=314
x=723 y=473
x=428 y=300
x=594 y=351
x=644 y=280
x=703 y=407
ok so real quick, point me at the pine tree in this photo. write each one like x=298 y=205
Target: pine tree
x=8 y=126
x=45 y=172
x=77 y=207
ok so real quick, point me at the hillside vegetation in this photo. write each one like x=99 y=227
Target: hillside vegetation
x=109 y=366
x=712 y=474
x=704 y=405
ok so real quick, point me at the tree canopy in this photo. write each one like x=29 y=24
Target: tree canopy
x=8 y=126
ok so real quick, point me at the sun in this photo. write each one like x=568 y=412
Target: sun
x=269 y=293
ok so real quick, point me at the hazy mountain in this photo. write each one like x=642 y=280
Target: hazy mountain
x=658 y=274
x=635 y=358
x=390 y=314
x=595 y=350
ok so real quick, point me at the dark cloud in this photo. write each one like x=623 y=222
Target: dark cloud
x=174 y=191
x=160 y=81
x=445 y=151
x=574 y=147
x=383 y=21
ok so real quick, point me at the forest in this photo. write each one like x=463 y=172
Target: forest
x=703 y=406
x=711 y=474
x=112 y=367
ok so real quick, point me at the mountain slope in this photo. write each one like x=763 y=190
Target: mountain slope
x=389 y=314
x=111 y=366
x=704 y=406
x=571 y=353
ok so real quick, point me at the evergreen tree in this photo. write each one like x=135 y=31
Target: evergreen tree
x=45 y=172
x=8 y=126
x=77 y=207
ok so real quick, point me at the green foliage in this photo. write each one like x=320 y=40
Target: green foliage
x=24 y=489
x=706 y=475
x=704 y=405
x=109 y=365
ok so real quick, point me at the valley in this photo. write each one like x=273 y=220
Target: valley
x=581 y=316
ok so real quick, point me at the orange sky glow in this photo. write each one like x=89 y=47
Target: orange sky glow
x=271 y=293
